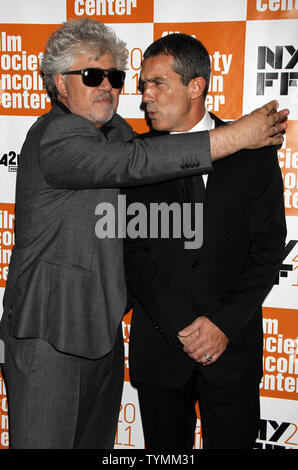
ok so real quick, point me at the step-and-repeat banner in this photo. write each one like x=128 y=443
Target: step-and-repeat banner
x=253 y=46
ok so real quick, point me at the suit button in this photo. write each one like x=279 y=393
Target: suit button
x=196 y=265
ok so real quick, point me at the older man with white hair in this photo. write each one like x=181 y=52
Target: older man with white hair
x=66 y=291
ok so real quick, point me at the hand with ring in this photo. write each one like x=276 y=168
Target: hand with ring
x=200 y=336
x=208 y=357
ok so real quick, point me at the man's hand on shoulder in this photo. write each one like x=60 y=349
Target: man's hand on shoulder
x=262 y=127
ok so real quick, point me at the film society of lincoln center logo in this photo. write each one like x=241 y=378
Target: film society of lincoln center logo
x=112 y=11
x=272 y=9
x=4 y=437
x=280 y=376
x=6 y=239
x=225 y=44
x=288 y=161
x=21 y=86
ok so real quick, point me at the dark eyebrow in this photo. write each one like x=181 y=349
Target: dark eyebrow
x=154 y=79
x=150 y=80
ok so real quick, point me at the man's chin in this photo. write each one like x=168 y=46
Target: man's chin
x=104 y=118
x=157 y=126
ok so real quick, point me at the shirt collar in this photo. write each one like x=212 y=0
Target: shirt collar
x=205 y=124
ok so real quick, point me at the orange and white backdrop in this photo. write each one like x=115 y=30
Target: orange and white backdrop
x=253 y=48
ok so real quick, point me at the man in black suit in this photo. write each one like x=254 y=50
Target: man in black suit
x=66 y=293
x=196 y=329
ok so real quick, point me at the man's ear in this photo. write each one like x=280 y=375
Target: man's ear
x=197 y=87
x=60 y=85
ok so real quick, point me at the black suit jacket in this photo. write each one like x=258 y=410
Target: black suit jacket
x=65 y=284
x=227 y=279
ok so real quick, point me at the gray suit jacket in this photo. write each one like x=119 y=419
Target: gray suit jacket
x=65 y=285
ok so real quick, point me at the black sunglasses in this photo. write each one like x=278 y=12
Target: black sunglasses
x=95 y=76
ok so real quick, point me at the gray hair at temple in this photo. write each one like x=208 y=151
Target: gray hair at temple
x=75 y=38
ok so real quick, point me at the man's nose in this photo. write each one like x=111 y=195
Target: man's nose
x=148 y=94
x=105 y=84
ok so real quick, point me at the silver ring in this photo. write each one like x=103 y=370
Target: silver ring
x=208 y=357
